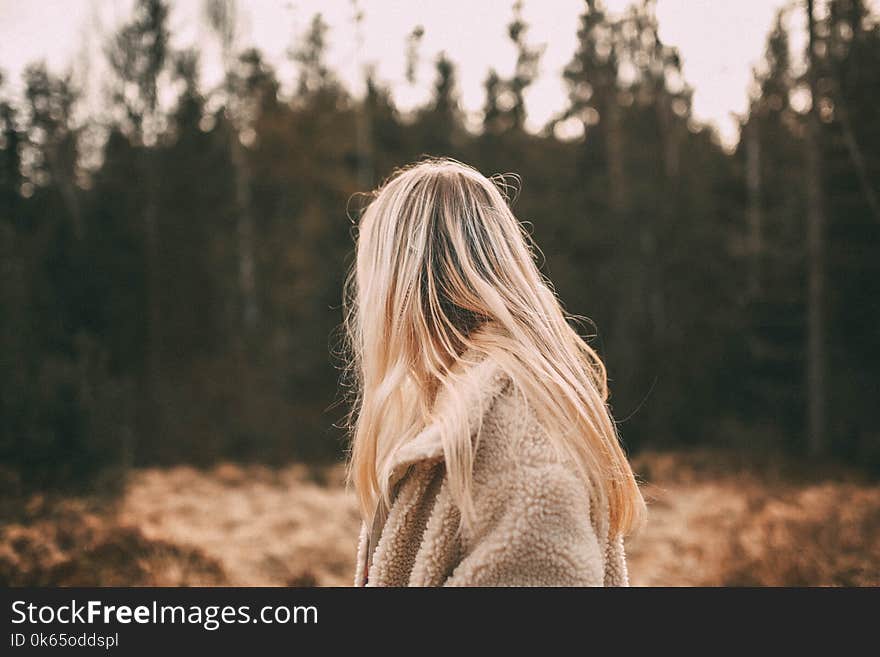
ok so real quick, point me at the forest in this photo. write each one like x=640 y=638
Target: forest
x=172 y=274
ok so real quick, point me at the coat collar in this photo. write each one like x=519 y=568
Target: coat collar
x=486 y=379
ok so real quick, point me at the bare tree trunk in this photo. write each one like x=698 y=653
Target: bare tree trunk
x=630 y=308
x=363 y=120
x=669 y=144
x=841 y=114
x=364 y=145
x=153 y=421
x=755 y=217
x=614 y=154
x=855 y=155
x=816 y=371
x=222 y=16
x=68 y=190
x=246 y=235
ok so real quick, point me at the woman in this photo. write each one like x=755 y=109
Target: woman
x=483 y=451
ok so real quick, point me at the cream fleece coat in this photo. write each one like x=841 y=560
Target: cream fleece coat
x=535 y=525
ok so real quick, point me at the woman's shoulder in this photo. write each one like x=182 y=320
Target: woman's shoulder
x=508 y=429
x=505 y=425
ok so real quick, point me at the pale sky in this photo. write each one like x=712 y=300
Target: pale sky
x=720 y=42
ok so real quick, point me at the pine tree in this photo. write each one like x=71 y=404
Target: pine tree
x=138 y=56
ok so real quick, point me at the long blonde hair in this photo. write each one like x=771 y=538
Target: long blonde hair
x=444 y=269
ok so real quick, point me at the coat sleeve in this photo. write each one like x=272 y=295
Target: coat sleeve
x=533 y=528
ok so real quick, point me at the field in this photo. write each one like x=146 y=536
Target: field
x=715 y=519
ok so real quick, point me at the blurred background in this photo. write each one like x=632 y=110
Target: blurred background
x=176 y=182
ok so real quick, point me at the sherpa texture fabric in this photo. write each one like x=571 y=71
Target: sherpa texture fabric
x=535 y=525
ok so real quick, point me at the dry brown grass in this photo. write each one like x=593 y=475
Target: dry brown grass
x=291 y=526
x=719 y=520
x=715 y=519
x=70 y=544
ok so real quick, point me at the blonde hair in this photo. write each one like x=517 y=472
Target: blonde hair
x=444 y=269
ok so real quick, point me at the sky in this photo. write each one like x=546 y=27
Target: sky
x=720 y=42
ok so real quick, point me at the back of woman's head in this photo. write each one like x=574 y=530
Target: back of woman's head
x=445 y=271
